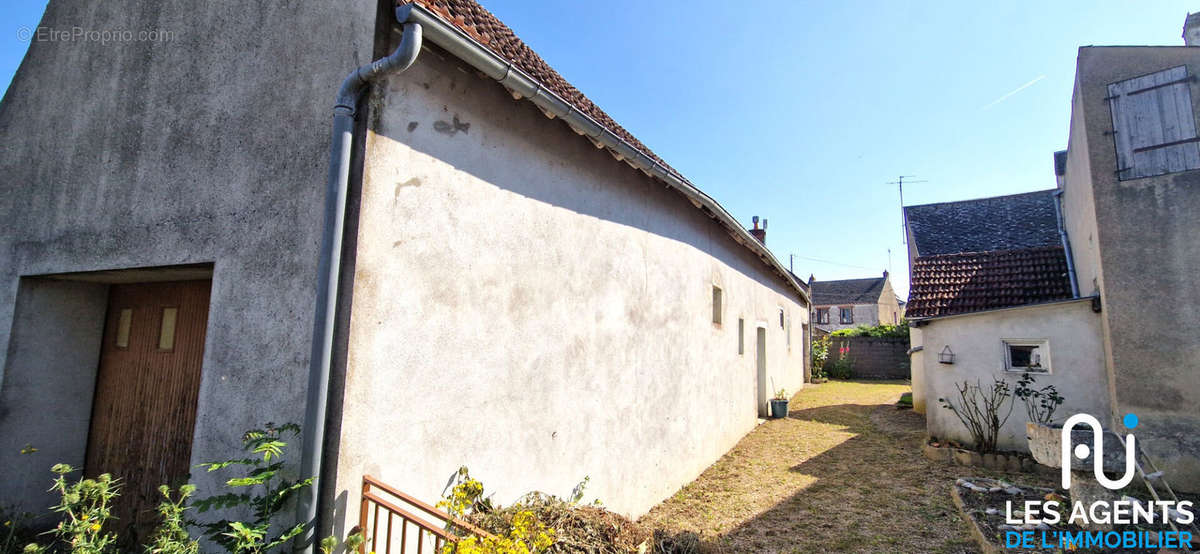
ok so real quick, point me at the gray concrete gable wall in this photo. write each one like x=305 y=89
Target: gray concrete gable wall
x=1148 y=259
x=211 y=146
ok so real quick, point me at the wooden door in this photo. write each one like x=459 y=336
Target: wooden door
x=145 y=401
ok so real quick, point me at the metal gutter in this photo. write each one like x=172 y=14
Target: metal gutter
x=329 y=268
x=464 y=47
x=919 y=322
x=1066 y=243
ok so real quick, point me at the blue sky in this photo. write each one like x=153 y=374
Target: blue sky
x=802 y=112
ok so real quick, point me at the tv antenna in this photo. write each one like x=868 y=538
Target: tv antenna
x=899 y=182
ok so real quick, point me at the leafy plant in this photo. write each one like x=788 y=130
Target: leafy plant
x=843 y=366
x=352 y=542
x=171 y=535
x=266 y=493
x=524 y=533
x=1040 y=404
x=819 y=353
x=879 y=331
x=85 y=506
x=15 y=532
x=979 y=410
x=781 y=394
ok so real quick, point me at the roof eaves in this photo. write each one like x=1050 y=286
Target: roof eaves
x=508 y=74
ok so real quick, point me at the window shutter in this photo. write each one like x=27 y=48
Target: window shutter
x=1154 y=124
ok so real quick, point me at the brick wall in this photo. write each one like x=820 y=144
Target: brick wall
x=875 y=358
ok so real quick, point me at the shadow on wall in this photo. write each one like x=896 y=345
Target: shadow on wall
x=559 y=168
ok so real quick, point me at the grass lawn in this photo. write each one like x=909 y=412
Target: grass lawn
x=843 y=473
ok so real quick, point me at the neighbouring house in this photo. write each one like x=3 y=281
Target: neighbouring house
x=1121 y=338
x=846 y=303
x=520 y=286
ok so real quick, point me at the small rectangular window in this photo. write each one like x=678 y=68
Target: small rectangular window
x=822 y=315
x=124 y=322
x=1027 y=356
x=847 y=315
x=716 y=300
x=741 y=336
x=166 y=331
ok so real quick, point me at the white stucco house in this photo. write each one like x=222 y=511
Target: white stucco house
x=487 y=270
x=1094 y=279
x=991 y=297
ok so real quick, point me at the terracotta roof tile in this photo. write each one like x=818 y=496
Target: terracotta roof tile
x=484 y=27
x=952 y=284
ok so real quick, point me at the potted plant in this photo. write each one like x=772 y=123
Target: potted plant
x=779 y=404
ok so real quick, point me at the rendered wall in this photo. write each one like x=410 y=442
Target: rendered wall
x=1076 y=359
x=46 y=399
x=1147 y=264
x=529 y=307
x=211 y=146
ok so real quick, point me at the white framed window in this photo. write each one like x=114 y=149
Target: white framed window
x=1027 y=355
x=1154 y=127
x=822 y=315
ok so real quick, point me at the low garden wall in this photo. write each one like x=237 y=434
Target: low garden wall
x=874 y=357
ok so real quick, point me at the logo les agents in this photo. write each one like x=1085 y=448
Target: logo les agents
x=1082 y=451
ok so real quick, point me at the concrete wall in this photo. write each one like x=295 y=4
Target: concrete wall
x=875 y=357
x=1145 y=261
x=529 y=307
x=1076 y=360
x=211 y=146
x=46 y=401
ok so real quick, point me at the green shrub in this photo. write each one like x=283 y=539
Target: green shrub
x=820 y=354
x=85 y=508
x=262 y=489
x=878 y=331
x=843 y=365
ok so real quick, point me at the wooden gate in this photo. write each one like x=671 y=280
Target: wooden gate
x=144 y=410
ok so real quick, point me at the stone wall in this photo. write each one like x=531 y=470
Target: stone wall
x=875 y=357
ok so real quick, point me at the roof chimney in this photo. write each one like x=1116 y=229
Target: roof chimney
x=1191 y=29
x=760 y=234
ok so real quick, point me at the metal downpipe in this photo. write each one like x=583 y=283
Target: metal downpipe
x=329 y=267
x=1066 y=243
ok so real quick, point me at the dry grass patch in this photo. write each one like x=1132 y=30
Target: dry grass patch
x=843 y=473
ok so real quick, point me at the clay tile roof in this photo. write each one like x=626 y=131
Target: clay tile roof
x=847 y=291
x=482 y=26
x=952 y=284
x=1010 y=222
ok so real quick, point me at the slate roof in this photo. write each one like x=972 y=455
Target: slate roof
x=481 y=25
x=960 y=283
x=847 y=291
x=1010 y=222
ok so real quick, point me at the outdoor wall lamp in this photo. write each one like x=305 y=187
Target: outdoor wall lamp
x=946 y=356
